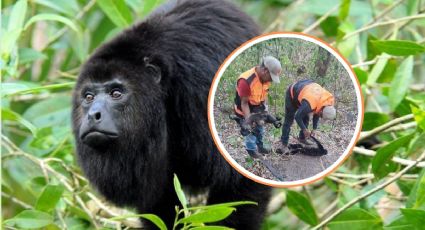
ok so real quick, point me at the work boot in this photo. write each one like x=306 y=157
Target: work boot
x=263 y=150
x=253 y=153
x=306 y=141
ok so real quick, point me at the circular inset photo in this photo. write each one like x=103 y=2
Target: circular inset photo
x=285 y=109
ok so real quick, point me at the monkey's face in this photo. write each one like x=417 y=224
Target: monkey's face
x=101 y=107
x=116 y=105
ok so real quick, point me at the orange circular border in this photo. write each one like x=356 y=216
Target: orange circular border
x=216 y=140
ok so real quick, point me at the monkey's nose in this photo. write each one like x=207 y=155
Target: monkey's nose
x=95 y=116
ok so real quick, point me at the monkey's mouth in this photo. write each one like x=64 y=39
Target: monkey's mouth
x=98 y=137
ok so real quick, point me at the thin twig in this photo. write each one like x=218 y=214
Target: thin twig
x=398 y=160
x=328 y=209
x=370 y=192
x=16 y=201
x=62 y=31
x=385 y=12
x=401 y=127
x=389 y=33
x=321 y=19
x=370 y=133
x=276 y=23
x=370 y=176
x=390 y=22
x=373 y=61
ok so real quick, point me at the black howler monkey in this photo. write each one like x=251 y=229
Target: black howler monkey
x=140 y=112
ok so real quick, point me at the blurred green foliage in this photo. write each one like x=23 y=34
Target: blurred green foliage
x=44 y=42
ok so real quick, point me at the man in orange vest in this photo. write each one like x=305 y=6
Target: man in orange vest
x=302 y=99
x=251 y=97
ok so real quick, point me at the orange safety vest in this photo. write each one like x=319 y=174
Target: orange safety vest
x=258 y=89
x=317 y=97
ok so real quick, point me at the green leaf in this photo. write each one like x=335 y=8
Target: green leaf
x=78 y=212
x=17 y=16
x=53 y=112
x=211 y=228
x=361 y=75
x=346 y=47
x=377 y=69
x=416 y=197
x=374 y=119
x=51 y=17
x=27 y=55
x=208 y=216
x=11 y=88
x=229 y=204
x=180 y=194
x=69 y=7
x=301 y=206
x=406 y=186
x=9 y=115
x=81 y=45
x=30 y=219
x=399 y=224
x=404 y=108
x=419 y=116
x=38 y=89
x=417 y=146
x=8 y=42
x=149 y=5
x=398 y=47
x=344 y=9
x=49 y=197
x=353 y=219
x=411 y=200
x=415 y=217
x=151 y=217
x=156 y=220
x=372 y=52
x=387 y=75
x=73 y=223
x=330 y=26
x=381 y=163
x=401 y=82
x=420 y=194
x=117 y=11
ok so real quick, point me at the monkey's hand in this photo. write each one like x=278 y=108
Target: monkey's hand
x=277 y=124
x=245 y=128
x=276 y=121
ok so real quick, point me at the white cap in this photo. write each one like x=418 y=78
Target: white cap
x=274 y=67
x=329 y=112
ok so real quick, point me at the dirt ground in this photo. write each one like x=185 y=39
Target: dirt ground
x=334 y=136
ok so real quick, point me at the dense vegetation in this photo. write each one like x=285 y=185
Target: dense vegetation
x=382 y=185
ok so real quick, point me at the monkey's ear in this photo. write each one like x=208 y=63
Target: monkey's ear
x=153 y=70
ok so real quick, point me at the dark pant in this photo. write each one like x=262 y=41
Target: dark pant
x=290 y=110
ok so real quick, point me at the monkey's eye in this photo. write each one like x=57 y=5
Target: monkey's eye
x=116 y=93
x=88 y=97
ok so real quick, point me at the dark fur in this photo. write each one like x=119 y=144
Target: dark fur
x=165 y=125
x=315 y=150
